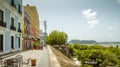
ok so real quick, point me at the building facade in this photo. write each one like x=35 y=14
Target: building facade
x=10 y=26
x=33 y=14
x=27 y=31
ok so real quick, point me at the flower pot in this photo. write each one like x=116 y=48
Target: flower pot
x=33 y=62
x=41 y=47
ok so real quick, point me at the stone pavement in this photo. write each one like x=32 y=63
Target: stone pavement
x=33 y=54
x=53 y=59
x=44 y=58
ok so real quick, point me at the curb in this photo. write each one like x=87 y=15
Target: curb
x=53 y=59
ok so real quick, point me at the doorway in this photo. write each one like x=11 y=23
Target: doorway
x=1 y=42
x=12 y=42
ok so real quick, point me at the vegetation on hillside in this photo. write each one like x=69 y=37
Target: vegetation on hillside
x=63 y=60
x=57 y=38
x=104 y=56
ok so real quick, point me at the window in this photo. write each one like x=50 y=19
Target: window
x=12 y=42
x=18 y=25
x=1 y=15
x=13 y=4
x=12 y=1
x=19 y=42
x=19 y=9
x=12 y=21
x=1 y=42
x=25 y=19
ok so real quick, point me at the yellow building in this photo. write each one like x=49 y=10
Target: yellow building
x=22 y=35
x=35 y=31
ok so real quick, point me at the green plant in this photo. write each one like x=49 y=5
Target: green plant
x=36 y=43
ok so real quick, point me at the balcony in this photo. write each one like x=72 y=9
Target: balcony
x=13 y=28
x=20 y=12
x=13 y=5
x=19 y=30
x=3 y=24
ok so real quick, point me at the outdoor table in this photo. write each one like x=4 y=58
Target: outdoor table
x=13 y=61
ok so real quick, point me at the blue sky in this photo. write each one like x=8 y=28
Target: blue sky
x=81 y=19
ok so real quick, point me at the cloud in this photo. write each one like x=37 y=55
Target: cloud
x=112 y=28
x=93 y=23
x=90 y=15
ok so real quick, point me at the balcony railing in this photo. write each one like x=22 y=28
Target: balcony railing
x=13 y=4
x=19 y=30
x=20 y=12
x=3 y=24
x=13 y=28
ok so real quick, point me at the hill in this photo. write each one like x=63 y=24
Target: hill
x=83 y=41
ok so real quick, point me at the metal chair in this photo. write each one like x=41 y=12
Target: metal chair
x=2 y=64
x=9 y=63
x=25 y=62
x=19 y=59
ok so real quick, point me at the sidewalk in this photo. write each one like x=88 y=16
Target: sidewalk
x=44 y=58
x=53 y=59
x=33 y=54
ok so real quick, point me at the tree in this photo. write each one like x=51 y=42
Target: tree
x=57 y=38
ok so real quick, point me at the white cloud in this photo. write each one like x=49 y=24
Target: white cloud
x=93 y=23
x=90 y=15
x=112 y=28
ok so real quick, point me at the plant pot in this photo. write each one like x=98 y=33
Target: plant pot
x=41 y=47
x=33 y=62
x=32 y=48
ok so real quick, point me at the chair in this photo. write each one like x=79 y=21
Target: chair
x=25 y=62
x=19 y=59
x=2 y=64
x=9 y=63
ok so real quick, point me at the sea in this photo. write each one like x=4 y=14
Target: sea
x=114 y=45
x=106 y=44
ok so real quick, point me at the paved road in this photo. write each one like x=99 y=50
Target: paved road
x=44 y=61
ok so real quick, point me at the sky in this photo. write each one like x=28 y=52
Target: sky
x=97 y=20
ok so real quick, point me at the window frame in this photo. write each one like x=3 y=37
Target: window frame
x=12 y=21
x=2 y=45
x=2 y=13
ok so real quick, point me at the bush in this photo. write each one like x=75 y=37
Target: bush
x=104 y=56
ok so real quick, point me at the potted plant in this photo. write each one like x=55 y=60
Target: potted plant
x=36 y=44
